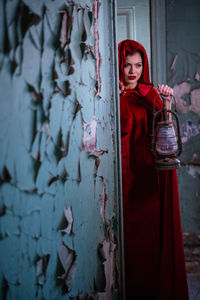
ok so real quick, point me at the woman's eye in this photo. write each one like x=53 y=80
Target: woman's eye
x=126 y=65
x=139 y=65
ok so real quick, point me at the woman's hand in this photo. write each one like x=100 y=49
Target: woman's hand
x=166 y=92
x=121 y=88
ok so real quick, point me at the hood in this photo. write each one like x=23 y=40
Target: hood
x=131 y=46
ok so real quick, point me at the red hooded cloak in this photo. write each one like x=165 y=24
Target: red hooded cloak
x=153 y=246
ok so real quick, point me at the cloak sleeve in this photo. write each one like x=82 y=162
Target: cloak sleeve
x=149 y=95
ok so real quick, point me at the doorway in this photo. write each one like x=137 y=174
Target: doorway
x=133 y=22
x=144 y=21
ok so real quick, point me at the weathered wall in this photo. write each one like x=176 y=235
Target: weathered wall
x=58 y=167
x=183 y=48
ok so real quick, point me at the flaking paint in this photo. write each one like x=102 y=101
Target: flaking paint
x=58 y=180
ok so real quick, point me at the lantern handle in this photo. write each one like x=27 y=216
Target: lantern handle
x=154 y=102
x=175 y=107
x=158 y=95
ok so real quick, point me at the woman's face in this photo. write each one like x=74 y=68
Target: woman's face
x=133 y=70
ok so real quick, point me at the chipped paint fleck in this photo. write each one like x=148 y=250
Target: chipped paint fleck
x=103 y=204
x=41 y=267
x=65 y=27
x=98 y=60
x=69 y=219
x=174 y=62
x=46 y=129
x=98 y=153
x=104 y=198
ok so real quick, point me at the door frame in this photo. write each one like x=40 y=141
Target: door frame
x=119 y=199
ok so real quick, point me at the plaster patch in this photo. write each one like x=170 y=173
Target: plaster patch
x=194 y=170
x=89 y=136
x=195 y=101
x=195 y=157
x=67 y=258
x=182 y=89
x=188 y=130
x=108 y=253
x=197 y=76
x=179 y=91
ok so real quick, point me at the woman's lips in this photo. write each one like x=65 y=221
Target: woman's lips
x=131 y=77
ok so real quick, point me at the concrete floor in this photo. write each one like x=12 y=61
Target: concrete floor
x=191 y=241
x=194 y=286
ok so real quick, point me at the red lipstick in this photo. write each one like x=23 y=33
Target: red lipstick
x=132 y=77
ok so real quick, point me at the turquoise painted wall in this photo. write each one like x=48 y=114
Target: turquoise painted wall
x=59 y=192
x=183 y=49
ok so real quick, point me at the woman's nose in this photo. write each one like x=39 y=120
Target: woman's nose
x=131 y=70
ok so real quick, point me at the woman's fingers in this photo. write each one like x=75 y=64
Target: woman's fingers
x=165 y=90
x=121 y=87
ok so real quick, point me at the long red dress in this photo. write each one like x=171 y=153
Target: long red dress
x=154 y=256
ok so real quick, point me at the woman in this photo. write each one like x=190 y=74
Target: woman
x=154 y=257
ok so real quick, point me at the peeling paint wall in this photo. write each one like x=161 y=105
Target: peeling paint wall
x=183 y=48
x=59 y=222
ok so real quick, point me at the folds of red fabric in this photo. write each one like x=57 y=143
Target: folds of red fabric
x=154 y=258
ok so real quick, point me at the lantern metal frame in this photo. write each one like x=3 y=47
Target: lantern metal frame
x=166 y=161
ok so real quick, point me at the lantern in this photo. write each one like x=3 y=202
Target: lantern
x=166 y=143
